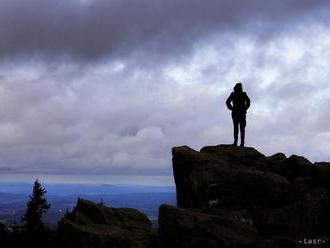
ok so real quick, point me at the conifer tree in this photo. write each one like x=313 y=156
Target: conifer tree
x=37 y=206
x=3 y=234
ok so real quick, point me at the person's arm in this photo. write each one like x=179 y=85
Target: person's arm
x=228 y=102
x=247 y=101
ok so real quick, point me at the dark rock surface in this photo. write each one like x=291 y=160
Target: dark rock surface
x=284 y=199
x=242 y=156
x=211 y=228
x=322 y=177
x=308 y=216
x=92 y=225
x=235 y=179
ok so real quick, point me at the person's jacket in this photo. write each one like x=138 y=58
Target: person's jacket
x=238 y=102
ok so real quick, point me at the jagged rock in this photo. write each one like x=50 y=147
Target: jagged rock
x=292 y=167
x=275 y=163
x=323 y=166
x=222 y=176
x=234 y=156
x=283 y=199
x=297 y=166
x=185 y=161
x=322 y=175
x=301 y=186
x=307 y=217
x=92 y=225
x=277 y=157
x=193 y=228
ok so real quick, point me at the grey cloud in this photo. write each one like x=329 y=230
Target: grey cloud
x=98 y=29
x=123 y=108
x=96 y=127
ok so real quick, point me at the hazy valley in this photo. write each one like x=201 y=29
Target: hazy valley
x=13 y=198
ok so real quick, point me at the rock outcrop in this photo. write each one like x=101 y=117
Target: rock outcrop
x=92 y=225
x=237 y=197
x=227 y=178
x=228 y=197
x=212 y=228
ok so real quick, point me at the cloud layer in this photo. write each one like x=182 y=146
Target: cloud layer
x=97 y=87
x=91 y=29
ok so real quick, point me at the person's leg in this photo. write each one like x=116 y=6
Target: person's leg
x=235 y=123
x=242 y=129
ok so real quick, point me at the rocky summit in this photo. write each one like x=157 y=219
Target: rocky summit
x=237 y=197
x=93 y=225
x=227 y=197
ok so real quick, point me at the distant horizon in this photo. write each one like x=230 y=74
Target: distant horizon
x=119 y=180
x=64 y=196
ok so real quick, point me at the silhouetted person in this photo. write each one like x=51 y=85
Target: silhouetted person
x=238 y=102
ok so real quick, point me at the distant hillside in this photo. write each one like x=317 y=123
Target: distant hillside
x=13 y=198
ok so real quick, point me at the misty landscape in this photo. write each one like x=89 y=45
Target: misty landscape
x=63 y=197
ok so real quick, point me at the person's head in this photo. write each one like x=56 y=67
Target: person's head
x=238 y=87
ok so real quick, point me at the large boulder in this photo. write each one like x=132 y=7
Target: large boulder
x=306 y=217
x=297 y=166
x=211 y=228
x=237 y=156
x=275 y=163
x=284 y=199
x=185 y=160
x=222 y=176
x=322 y=175
x=93 y=225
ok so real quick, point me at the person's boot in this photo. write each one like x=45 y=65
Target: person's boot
x=242 y=139
x=235 y=137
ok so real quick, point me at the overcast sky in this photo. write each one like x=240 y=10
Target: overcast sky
x=108 y=87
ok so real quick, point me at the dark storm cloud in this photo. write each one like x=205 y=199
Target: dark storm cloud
x=95 y=29
x=108 y=87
